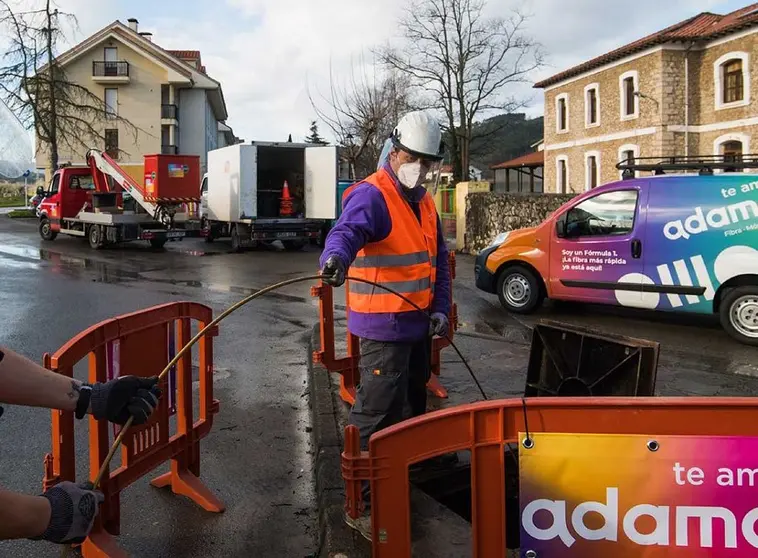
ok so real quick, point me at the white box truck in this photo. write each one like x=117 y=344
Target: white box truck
x=242 y=190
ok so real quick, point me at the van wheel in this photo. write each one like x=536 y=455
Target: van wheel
x=739 y=314
x=95 y=237
x=236 y=240
x=519 y=290
x=46 y=230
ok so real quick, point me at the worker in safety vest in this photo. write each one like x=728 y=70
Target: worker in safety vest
x=66 y=512
x=389 y=232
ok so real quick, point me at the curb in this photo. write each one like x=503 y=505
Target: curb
x=336 y=539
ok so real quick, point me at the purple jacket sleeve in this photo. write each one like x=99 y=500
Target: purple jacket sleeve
x=365 y=218
x=441 y=301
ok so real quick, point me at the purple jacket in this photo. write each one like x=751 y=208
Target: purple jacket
x=365 y=218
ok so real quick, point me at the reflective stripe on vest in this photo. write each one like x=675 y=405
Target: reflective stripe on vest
x=405 y=261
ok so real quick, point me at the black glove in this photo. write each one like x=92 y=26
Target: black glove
x=73 y=508
x=333 y=272
x=123 y=397
x=438 y=324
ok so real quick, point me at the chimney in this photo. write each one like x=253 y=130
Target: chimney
x=147 y=35
x=133 y=24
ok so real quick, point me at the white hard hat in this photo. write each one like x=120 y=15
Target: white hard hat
x=419 y=134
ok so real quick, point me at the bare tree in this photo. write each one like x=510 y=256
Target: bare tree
x=63 y=114
x=464 y=63
x=363 y=111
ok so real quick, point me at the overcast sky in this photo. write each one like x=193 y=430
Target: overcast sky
x=267 y=54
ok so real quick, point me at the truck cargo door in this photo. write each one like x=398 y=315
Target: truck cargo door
x=248 y=182
x=321 y=182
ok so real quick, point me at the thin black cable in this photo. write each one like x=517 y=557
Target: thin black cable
x=428 y=317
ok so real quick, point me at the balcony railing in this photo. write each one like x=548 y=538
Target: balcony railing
x=169 y=111
x=169 y=149
x=110 y=69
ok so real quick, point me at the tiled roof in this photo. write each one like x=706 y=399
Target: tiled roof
x=191 y=54
x=535 y=159
x=702 y=27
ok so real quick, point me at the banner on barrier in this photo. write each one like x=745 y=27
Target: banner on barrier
x=592 y=496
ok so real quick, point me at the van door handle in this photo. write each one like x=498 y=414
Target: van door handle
x=636 y=249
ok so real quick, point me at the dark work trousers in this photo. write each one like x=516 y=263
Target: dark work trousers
x=392 y=386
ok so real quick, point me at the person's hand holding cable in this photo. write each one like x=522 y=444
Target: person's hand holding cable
x=66 y=512
x=119 y=399
x=333 y=272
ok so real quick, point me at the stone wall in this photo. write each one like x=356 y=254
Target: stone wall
x=488 y=214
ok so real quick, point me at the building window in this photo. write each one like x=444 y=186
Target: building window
x=732 y=147
x=628 y=87
x=110 y=55
x=732 y=151
x=591 y=106
x=592 y=170
x=562 y=112
x=627 y=154
x=111 y=143
x=733 y=85
x=562 y=176
x=731 y=74
x=111 y=103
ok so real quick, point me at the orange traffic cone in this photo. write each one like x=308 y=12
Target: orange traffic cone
x=285 y=204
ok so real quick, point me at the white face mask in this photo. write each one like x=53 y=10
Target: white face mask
x=411 y=175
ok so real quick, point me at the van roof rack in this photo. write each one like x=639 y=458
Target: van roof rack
x=703 y=164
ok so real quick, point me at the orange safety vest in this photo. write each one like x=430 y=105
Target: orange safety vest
x=405 y=261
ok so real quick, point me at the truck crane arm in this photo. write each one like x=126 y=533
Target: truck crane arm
x=102 y=165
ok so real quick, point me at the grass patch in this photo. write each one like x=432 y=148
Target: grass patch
x=23 y=214
x=12 y=202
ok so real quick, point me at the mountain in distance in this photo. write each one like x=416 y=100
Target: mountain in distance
x=507 y=136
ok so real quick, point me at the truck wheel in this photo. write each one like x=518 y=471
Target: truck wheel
x=95 y=237
x=205 y=225
x=46 y=230
x=739 y=314
x=519 y=290
x=293 y=245
x=158 y=243
x=236 y=240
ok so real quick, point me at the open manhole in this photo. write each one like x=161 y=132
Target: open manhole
x=565 y=361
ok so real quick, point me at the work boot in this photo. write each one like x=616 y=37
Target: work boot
x=361 y=524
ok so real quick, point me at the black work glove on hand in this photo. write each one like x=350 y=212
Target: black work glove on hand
x=73 y=508
x=438 y=324
x=333 y=272
x=123 y=397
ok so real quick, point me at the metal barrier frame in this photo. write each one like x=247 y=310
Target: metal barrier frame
x=347 y=366
x=147 y=446
x=483 y=429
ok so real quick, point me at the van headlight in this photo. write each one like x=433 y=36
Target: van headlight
x=499 y=239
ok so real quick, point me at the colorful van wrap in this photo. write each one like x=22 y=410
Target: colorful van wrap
x=659 y=243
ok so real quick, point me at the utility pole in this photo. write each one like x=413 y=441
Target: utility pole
x=26 y=194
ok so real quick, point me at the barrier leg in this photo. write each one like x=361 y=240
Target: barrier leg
x=184 y=483
x=436 y=388
x=100 y=544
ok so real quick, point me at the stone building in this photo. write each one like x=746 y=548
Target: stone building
x=685 y=90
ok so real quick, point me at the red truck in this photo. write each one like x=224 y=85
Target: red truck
x=102 y=203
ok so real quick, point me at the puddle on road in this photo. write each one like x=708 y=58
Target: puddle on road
x=106 y=272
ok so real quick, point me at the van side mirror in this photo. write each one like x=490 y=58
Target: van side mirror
x=560 y=228
x=40 y=190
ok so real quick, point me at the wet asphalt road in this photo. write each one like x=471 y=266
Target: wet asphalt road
x=257 y=458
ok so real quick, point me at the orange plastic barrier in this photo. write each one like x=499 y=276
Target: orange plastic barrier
x=139 y=344
x=348 y=366
x=484 y=428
